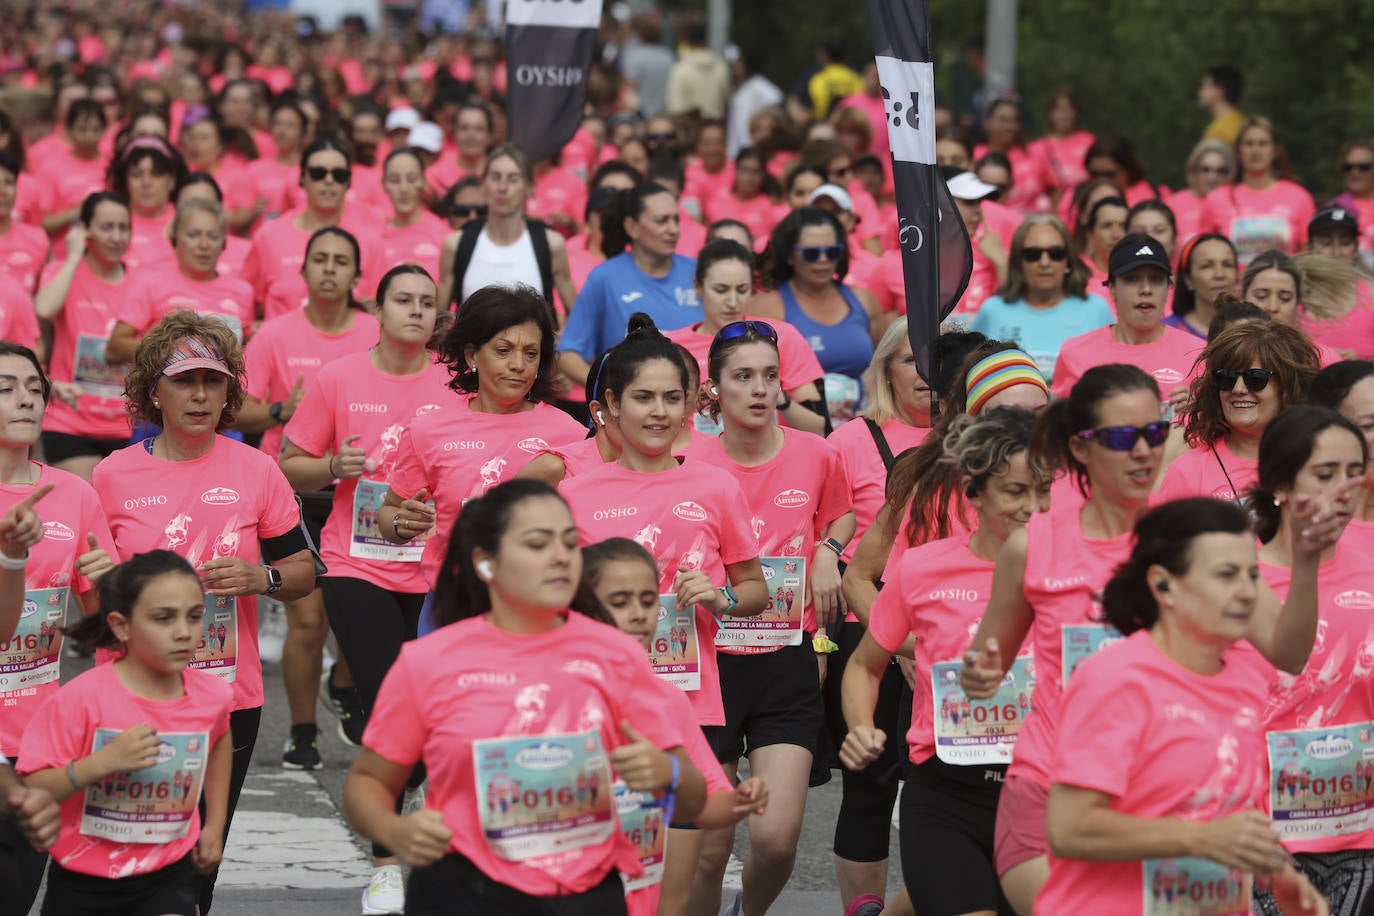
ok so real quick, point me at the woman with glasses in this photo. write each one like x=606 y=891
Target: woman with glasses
x=797 y=498
x=807 y=260
x=273 y=265
x=1044 y=300
x=1357 y=167
x=1206 y=269
x=1251 y=371
x=463 y=203
x=1211 y=164
x=412 y=235
x=1261 y=208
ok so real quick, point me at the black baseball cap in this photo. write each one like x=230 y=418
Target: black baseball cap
x=1332 y=218
x=1137 y=250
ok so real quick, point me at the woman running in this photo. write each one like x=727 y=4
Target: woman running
x=1261 y=208
x=1206 y=269
x=412 y=233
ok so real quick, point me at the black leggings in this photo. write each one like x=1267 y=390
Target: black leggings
x=21 y=870
x=453 y=886
x=371 y=624
x=243 y=731
x=863 y=826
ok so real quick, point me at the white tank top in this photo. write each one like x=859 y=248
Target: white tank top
x=507 y=265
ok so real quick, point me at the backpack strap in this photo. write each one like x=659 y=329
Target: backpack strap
x=880 y=440
x=467 y=244
x=539 y=241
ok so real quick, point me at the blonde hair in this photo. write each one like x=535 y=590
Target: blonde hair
x=158 y=345
x=1330 y=286
x=882 y=404
x=196 y=205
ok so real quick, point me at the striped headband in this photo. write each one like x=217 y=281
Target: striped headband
x=997 y=373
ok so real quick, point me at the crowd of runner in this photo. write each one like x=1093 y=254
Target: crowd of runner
x=288 y=321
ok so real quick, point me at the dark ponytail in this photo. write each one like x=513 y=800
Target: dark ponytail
x=1065 y=418
x=119 y=590
x=627 y=204
x=643 y=343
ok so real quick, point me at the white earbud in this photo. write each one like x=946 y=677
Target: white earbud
x=600 y=419
x=714 y=392
x=484 y=569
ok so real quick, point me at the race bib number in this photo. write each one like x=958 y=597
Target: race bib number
x=780 y=624
x=92 y=374
x=367 y=542
x=976 y=732
x=1193 y=887
x=842 y=395
x=543 y=794
x=1254 y=234
x=646 y=826
x=33 y=655
x=153 y=805
x=1321 y=781
x=1081 y=640
x=674 y=652
x=218 y=649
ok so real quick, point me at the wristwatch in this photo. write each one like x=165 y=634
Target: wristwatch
x=731 y=597
x=273 y=578
x=274 y=411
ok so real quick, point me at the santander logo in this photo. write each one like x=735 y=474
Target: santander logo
x=1355 y=599
x=58 y=531
x=219 y=496
x=791 y=499
x=689 y=511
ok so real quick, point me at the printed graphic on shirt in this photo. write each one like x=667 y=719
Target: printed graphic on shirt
x=217 y=652
x=367 y=541
x=780 y=624
x=152 y=805
x=1321 y=781
x=91 y=373
x=1081 y=640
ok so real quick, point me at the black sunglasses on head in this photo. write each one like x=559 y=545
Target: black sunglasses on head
x=320 y=173
x=1256 y=380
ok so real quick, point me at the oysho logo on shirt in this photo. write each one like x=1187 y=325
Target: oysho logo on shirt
x=1355 y=599
x=464 y=445
x=485 y=679
x=143 y=502
x=58 y=531
x=954 y=594
x=601 y=515
x=219 y=496
x=303 y=361
x=364 y=407
x=689 y=511
x=791 y=499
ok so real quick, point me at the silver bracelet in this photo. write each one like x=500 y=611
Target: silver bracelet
x=71 y=774
x=12 y=563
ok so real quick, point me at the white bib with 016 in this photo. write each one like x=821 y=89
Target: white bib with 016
x=979 y=732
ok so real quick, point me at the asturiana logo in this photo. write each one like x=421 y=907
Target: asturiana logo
x=689 y=511
x=219 y=496
x=791 y=499
x=58 y=531
x=534 y=445
x=1355 y=599
x=1331 y=746
x=546 y=756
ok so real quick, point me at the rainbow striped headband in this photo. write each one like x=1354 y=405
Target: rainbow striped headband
x=999 y=372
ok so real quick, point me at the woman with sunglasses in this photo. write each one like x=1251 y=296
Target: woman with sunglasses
x=1261 y=208
x=412 y=234
x=1206 y=269
x=1211 y=164
x=807 y=261
x=1045 y=299
x=1250 y=372
x=1357 y=165
x=1275 y=282
x=273 y=266
x=1138 y=281
x=463 y=202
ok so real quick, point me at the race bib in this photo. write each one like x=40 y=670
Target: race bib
x=543 y=794
x=1193 y=887
x=975 y=732
x=842 y=395
x=366 y=541
x=780 y=624
x=707 y=426
x=674 y=652
x=92 y=374
x=32 y=656
x=218 y=649
x=233 y=322
x=153 y=805
x=1254 y=234
x=646 y=826
x=1081 y=640
x=1321 y=781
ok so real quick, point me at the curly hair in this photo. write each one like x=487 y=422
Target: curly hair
x=157 y=345
x=1283 y=350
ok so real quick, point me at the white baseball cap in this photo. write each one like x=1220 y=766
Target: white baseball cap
x=968 y=186
x=427 y=136
x=403 y=118
x=836 y=193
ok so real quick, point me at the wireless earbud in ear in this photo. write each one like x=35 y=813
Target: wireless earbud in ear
x=971 y=490
x=1162 y=585
x=484 y=569
x=600 y=419
x=715 y=393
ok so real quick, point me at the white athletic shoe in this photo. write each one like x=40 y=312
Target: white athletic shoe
x=386 y=893
x=271 y=630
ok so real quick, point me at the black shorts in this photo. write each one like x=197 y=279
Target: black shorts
x=454 y=886
x=772 y=698
x=168 y=890
x=948 y=819
x=59 y=447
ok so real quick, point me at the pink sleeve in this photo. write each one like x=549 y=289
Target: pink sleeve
x=640 y=703
x=374 y=265
x=23 y=323
x=257 y=367
x=395 y=730
x=138 y=307
x=737 y=541
x=279 y=510
x=408 y=475
x=1175 y=485
x=888 y=622
x=1065 y=372
x=58 y=732
x=1097 y=740
x=252 y=272
x=835 y=498
x=797 y=361
x=311 y=427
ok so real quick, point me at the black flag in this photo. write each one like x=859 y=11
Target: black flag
x=936 y=255
x=549 y=47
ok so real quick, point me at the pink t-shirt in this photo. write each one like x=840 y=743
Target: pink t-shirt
x=688 y=515
x=1169 y=360
x=887 y=283
x=792 y=498
x=1332 y=698
x=159 y=289
x=1065 y=575
x=417 y=244
x=1028 y=191
x=289 y=347
x=457 y=453
x=23 y=252
x=30 y=660
x=225 y=503
x=863 y=466
x=1060 y=160
x=1256 y=221
x=1208 y=471
x=273 y=264
x=797 y=363
x=581 y=260
x=557 y=191
x=83 y=716
x=701 y=185
x=1190 y=216
x=272 y=183
x=504 y=723
x=691 y=237
x=80 y=332
x=18 y=322
x=1162 y=741
x=578 y=457
x=352 y=397
x=148 y=240
x=758 y=213
x=63 y=182
x=982 y=281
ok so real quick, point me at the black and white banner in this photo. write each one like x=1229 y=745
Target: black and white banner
x=936 y=255
x=549 y=46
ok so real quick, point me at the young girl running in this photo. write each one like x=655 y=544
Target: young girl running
x=128 y=843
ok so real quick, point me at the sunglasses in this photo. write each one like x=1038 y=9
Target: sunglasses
x=1104 y=173
x=320 y=173
x=1211 y=169
x=1124 y=438
x=466 y=211
x=1256 y=380
x=1357 y=166
x=740 y=328
x=814 y=253
x=1030 y=254
x=662 y=138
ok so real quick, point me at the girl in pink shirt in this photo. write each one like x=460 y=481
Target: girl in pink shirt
x=746 y=198
x=511 y=701
x=1251 y=371
x=937 y=596
x=1002 y=121
x=1058 y=156
x=84 y=296
x=797 y=500
x=135 y=844
x=221 y=504
x=146 y=174
x=75 y=170
x=1206 y=269
x=1211 y=164
x=1274 y=282
x=1155 y=793
x=23 y=247
x=412 y=233
x=271 y=181
x=1261 y=209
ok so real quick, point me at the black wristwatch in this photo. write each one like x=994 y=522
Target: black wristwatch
x=273 y=578
x=274 y=411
